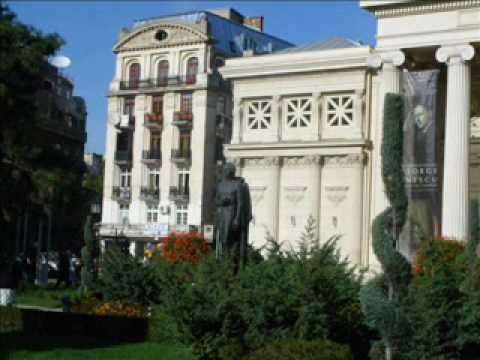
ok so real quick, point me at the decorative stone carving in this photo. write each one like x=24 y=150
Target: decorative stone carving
x=295 y=194
x=455 y=53
x=144 y=38
x=263 y=162
x=345 y=161
x=257 y=193
x=416 y=9
x=336 y=194
x=302 y=160
x=395 y=58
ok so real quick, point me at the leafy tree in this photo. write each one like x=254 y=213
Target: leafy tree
x=23 y=51
x=382 y=298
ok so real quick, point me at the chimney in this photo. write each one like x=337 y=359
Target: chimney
x=255 y=22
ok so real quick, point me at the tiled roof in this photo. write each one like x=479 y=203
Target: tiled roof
x=331 y=44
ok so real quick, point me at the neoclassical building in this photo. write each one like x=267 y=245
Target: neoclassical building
x=169 y=112
x=307 y=126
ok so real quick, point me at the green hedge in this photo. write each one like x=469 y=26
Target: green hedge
x=10 y=319
x=302 y=350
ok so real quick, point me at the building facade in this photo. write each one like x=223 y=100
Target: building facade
x=308 y=125
x=168 y=117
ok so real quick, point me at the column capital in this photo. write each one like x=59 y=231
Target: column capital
x=395 y=58
x=464 y=52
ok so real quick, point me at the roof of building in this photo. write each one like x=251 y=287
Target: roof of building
x=331 y=44
x=231 y=36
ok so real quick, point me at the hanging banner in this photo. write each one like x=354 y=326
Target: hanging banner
x=421 y=160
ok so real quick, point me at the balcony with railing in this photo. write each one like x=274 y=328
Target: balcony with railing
x=121 y=194
x=183 y=118
x=150 y=194
x=152 y=156
x=123 y=156
x=153 y=120
x=179 y=194
x=182 y=156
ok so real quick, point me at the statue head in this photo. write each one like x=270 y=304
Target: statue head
x=229 y=171
x=422 y=117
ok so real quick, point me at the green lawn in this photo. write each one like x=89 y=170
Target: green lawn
x=49 y=297
x=20 y=347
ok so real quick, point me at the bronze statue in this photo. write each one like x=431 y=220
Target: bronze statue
x=234 y=213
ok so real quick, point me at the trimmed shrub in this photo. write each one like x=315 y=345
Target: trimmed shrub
x=10 y=319
x=162 y=327
x=302 y=350
x=125 y=278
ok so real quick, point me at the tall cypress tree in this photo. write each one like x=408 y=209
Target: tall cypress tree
x=382 y=297
x=90 y=253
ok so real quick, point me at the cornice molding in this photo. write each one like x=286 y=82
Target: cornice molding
x=423 y=7
x=291 y=63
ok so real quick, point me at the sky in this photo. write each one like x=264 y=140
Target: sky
x=90 y=30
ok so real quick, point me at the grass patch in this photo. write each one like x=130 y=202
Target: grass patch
x=49 y=297
x=17 y=346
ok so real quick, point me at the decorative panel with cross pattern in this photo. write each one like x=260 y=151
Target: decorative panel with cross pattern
x=340 y=110
x=298 y=112
x=259 y=114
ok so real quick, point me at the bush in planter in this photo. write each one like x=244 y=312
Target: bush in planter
x=302 y=350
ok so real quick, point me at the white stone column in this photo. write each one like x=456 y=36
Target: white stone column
x=317 y=114
x=167 y=171
x=237 y=121
x=455 y=205
x=274 y=164
x=137 y=206
x=277 y=122
x=390 y=76
x=315 y=162
x=109 y=207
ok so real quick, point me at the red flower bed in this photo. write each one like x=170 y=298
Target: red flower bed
x=185 y=247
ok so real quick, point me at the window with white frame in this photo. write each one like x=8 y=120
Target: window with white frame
x=125 y=177
x=154 y=178
x=259 y=114
x=298 y=112
x=123 y=213
x=183 y=181
x=153 y=213
x=340 y=110
x=182 y=214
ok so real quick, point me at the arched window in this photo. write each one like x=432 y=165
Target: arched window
x=192 y=70
x=134 y=76
x=162 y=73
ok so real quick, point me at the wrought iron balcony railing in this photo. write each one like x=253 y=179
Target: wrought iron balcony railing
x=179 y=194
x=153 y=120
x=181 y=155
x=123 y=156
x=183 y=118
x=152 y=155
x=150 y=194
x=121 y=194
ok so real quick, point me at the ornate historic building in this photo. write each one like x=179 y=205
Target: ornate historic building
x=168 y=117
x=307 y=125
